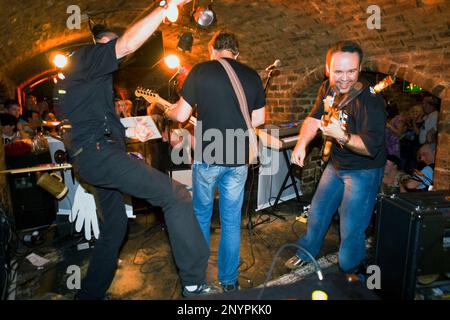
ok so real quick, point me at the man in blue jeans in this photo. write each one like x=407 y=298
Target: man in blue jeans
x=352 y=177
x=221 y=150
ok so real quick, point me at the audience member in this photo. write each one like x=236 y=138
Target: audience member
x=9 y=128
x=394 y=130
x=393 y=176
x=423 y=179
x=428 y=130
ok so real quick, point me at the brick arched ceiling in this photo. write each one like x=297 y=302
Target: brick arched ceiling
x=414 y=34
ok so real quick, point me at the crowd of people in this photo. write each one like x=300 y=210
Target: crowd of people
x=411 y=138
x=24 y=124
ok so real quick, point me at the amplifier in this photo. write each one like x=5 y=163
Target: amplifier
x=413 y=240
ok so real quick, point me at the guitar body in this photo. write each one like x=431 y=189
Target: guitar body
x=331 y=112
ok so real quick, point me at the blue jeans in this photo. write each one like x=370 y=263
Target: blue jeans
x=353 y=194
x=231 y=183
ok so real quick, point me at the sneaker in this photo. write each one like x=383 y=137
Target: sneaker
x=295 y=263
x=200 y=290
x=230 y=287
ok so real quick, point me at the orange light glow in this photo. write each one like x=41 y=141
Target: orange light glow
x=172 y=61
x=60 y=60
x=172 y=13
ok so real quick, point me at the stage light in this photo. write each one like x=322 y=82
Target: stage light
x=319 y=295
x=172 y=61
x=186 y=41
x=60 y=60
x=205 y=16
x=61 y=76
x=172 y=13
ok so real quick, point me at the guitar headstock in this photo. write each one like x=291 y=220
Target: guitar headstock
x=142 y=92
x=383 y=84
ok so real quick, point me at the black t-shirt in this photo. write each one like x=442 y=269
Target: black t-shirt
x=88 y=101
x=366 y=117
x=209 y=89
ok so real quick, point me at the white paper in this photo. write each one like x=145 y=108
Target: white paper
x=147 y=121
x=36 y=260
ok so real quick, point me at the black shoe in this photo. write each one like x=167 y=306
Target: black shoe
x=200 y=290
x=295 y=263
x=230 y=287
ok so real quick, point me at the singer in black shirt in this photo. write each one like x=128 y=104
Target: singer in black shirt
x=97 y=150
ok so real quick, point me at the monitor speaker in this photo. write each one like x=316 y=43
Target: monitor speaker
x=413 y=241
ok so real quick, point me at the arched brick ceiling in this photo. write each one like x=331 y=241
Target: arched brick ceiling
x=296 y=32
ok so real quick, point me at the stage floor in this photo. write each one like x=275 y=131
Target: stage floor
x=147 y=269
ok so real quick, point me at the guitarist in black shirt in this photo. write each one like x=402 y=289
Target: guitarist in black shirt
x=352 y=177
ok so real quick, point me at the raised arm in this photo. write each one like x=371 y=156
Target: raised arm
x=135 y=36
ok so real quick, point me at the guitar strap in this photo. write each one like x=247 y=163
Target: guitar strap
x=344 y=99
x=240 y=95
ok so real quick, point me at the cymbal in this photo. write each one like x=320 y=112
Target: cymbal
x=51 y=123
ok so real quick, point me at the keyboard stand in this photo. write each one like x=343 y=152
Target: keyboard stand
x=283 y=187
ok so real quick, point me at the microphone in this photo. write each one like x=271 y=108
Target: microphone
x=274 y=65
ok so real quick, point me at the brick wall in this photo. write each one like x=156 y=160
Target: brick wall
x=413 y=43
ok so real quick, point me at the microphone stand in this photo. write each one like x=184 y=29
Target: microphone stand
x=269 y=77
x=250 y=224
x=169 y=97
x=168 y=122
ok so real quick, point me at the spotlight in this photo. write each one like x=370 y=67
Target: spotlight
x=172 y=13
x=60 y=60
x=61 y=76
x=172 y=61
x=205 y=16
x=186 y=41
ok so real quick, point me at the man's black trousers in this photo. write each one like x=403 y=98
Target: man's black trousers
x=106 y=166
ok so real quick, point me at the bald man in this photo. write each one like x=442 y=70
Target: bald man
x=423 y=179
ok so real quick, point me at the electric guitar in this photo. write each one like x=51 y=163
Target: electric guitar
x=151 y=96
x=332 y=111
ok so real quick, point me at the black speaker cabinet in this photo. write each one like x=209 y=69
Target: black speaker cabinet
x=413 y=239
x=32 y=206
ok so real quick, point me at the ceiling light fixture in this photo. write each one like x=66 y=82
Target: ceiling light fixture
x=186 y=41
x=205 y=16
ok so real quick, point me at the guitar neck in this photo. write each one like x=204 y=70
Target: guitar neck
x=166 y=104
